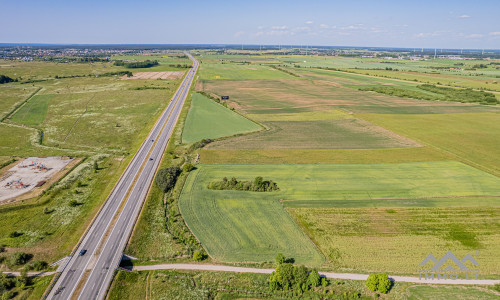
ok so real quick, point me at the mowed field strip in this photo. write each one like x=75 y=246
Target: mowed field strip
x=253 y=226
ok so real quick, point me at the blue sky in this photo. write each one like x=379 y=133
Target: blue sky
x=430 y=24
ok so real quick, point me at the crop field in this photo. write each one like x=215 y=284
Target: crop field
x=34 y=111
x=235 y=71
x=321 y=156
x=251 y=226
x=473 y=138
x=240 y=226
x=447 y=292
x=208 y=119
x=405 y=235
x=325 y=134
x=324 y=92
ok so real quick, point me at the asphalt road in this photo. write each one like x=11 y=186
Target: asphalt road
x=105 y=241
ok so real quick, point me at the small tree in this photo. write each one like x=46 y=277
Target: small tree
x=198 y=256
x=379 y=282
x=372 y=282
x=280 y=258
x=384 y=283
x=314 y=279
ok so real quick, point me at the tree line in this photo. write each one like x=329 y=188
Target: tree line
x=257 y=185
x=440 y=94
x=137 y=64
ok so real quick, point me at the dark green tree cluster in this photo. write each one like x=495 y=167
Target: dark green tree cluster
x=257 y=185
x=137 y=64
x=379 y=282
x=166 y=178
x=6 y=79
x=288 y=277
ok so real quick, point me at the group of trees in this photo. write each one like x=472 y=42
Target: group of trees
x=166 y=178
x=6 y=79
x=440 y=94
x=257 y=185
x=137 y=64
x=287 y=277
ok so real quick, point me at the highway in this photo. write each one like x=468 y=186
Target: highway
x=107 y=237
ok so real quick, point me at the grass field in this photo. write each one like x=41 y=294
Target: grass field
x=473 y=138
x=233 y=71
x=11 y=95
x=34 y=111
x=240 y=226
x=208 y=119
x=398 y=239
x=249 y=226
x=447 y=292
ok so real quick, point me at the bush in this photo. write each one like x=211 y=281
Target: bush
x=38 y=265
x=166 y=178
x=20 y=258
x=187 y=168
x=15 y=234
x=73 y=203
x=198 y=256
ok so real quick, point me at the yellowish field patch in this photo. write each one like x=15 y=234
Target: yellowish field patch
x=332 y=114
x=155 y=75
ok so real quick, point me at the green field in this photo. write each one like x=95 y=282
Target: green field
x=447 y=292
x=251 y=226
x=13 y=95
x=34 y=111
x=233 y=71
x=209 y=120
x=399 y=238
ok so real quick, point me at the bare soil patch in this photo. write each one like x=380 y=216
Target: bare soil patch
x=29 y=177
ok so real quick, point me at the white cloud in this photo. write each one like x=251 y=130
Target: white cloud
x=324 y=26
x=309 y=22
x=474 y=36
x=495 y=33
x=464 y=16
x=279 y=27
x=260 y=27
